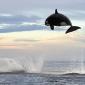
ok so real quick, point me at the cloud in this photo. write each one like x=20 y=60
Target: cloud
x=25 y=40
x=6 y=28
x=16 y=23
x=4 y=18
x=22 y=28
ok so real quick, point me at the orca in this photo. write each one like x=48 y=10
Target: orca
x=58 y=19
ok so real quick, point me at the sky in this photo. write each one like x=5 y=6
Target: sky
x=25 y=38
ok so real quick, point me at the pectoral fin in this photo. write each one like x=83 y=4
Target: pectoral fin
x=52 y=27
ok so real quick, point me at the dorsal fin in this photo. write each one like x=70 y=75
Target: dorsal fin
x=56 y=12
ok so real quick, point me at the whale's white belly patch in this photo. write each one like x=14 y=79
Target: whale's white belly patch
x=63 y=24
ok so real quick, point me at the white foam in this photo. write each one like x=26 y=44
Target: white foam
x=10 y=65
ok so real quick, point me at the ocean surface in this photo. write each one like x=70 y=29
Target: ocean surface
x=41 y=79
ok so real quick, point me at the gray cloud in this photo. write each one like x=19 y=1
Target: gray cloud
x=18 y=28
x=18 y=19
x=21 y=28
x=17 y=23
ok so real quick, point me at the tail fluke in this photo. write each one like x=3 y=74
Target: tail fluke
x=72 y=28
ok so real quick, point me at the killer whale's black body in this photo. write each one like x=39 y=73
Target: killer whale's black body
x=58 y=19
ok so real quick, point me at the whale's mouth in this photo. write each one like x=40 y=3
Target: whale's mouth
x=46 y=23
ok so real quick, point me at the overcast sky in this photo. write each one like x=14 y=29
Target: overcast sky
x=28 y=5
x=23 y=35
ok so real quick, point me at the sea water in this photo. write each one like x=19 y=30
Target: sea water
x=48 y=76
x=41 y=79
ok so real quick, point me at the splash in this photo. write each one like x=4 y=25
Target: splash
x=10 y=65
x=33 y=64
x=82 y=70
